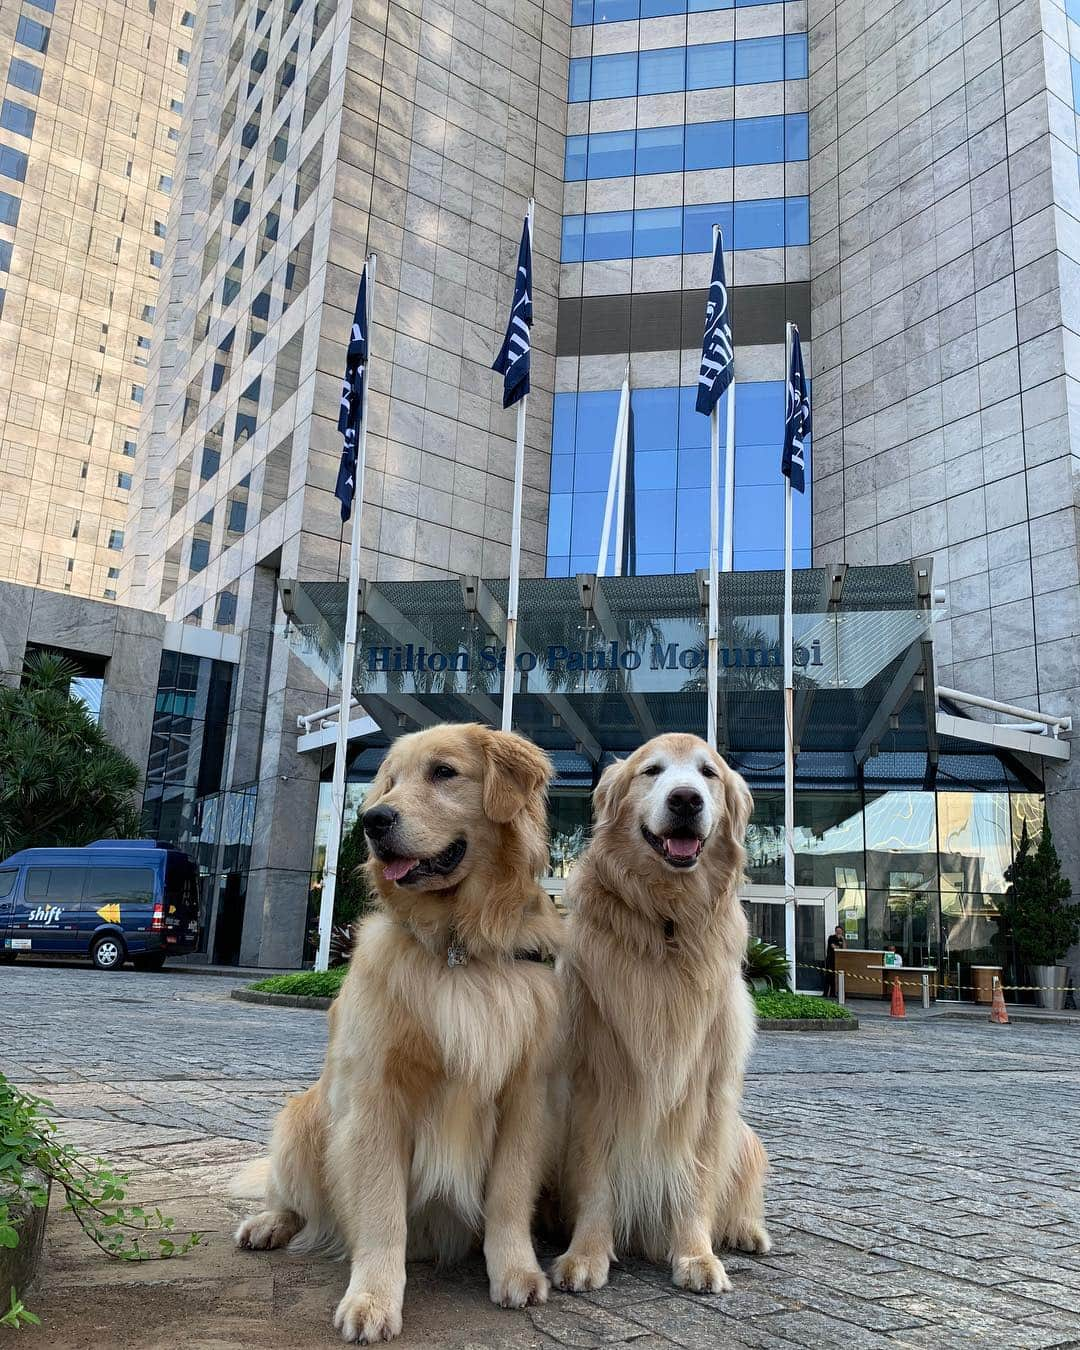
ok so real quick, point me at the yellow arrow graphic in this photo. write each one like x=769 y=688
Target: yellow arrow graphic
x=110 y=913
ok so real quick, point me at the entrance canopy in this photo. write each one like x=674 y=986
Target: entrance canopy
x=605 y=663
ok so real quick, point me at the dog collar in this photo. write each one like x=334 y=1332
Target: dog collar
x=457 y=954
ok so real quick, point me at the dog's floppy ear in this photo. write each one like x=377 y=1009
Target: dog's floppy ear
x=608 y=791
x=515 y=771
x=739 y=804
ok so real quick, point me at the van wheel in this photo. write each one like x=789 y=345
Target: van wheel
x=108 y=952
x=149 y=961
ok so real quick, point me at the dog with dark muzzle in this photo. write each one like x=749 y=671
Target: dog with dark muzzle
x=429 y=1128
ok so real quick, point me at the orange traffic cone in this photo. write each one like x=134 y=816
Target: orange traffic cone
x=997 y=1006
x=897 y=1008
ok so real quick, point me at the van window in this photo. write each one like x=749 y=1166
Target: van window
x=7 y=883
x=123 y=885
x=57 y=885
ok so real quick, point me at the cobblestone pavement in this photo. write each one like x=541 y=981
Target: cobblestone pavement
x=925 y=1188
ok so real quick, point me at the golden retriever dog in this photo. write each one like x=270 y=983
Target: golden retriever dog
x=660 y=1024
x=428 y=1128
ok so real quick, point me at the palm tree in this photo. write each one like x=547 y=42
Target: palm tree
x=62 y=781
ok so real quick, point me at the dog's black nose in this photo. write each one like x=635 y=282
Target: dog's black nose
x=685 y=802
x=379 y=821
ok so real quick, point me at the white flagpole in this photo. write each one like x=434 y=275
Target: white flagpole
x=509 y=665
x=624 y=450
x=348 y=666
x=616 y=489
x=729 y=456
x=713 y=669
x=789 y=710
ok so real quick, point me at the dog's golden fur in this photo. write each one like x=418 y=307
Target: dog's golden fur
x=428 y=1126
x=659 y=1026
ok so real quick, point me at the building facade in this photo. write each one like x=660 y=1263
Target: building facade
x=901 y=182
x=90 y=119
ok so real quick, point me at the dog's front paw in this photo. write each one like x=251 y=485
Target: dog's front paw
x=753 y=1238
x=271 y=1228
x=519 y=1286
x=701 y=1274
x=367 y=1318
x=580 y=1271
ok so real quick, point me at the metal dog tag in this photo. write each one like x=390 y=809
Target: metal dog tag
x=457 y=953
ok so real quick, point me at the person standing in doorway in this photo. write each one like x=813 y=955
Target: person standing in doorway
x=836 y=939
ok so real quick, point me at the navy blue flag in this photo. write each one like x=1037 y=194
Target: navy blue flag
x=512 y=362
x=717 y=353
x=796 y=419
x=352 y=401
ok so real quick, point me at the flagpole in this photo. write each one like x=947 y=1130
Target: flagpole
x=616 y=488
x=789 y=707
x=712 y=679
x=729 y=465
x=623 y=432
x=509 y=663
x=348 y=667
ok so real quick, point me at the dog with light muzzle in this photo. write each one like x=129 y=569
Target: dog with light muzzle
x=659 y=1024
x=429 y=1128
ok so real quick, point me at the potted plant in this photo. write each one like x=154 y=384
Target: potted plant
x=1037 y=911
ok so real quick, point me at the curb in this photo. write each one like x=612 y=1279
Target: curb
x=308 y=1001
x=808 y=1024
x=19 y=1264
x=313 y=1003
x=1043 y=1019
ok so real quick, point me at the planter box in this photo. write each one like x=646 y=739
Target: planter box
x=19 y=1264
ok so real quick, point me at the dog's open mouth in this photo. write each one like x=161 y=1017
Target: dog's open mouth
x=682 y=848
x=408 y=871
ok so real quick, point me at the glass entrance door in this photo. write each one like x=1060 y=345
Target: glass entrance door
x=815 y=918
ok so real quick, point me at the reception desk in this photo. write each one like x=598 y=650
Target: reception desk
x=861 y=980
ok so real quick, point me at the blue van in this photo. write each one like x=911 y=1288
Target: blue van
x=114 y=899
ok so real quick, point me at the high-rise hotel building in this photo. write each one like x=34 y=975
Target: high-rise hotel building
x=900 y=180
x=90 y=115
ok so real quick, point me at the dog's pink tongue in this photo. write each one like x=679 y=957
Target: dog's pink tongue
x=398 y=868
x=682 y=848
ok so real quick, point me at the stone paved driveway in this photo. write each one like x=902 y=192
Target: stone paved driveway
x=925 y=1189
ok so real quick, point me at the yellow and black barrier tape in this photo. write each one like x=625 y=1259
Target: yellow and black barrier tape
x=912 y=977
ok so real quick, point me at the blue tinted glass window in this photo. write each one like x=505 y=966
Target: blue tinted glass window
x=657 y=232
x=578 y=85
x=655 y=468
x=693 y=427
x=32 y=34
x=608 y=235
x=694 y=465
x=697 y=226
x=9 y=209
x=759 y=515
x=692 y=520
x=14 y=117
x=593 y=469
x=759 y=140
x=582 y=12
x=5 y=256
x=796 y=63
x=614 y=76
x=798 y=220
x=12 y=163
x=709 y=145
x=653 y=9
x=1075 y=64
x=200 y=554
x=211 y=462
x=559 y=510
x=562 y=473
x=612 y=11
x=796 y=136
x=659 y=150
x=24 y=76
x=611 y=154
x=759 y=419
x=573 y=238
x=576 y=153
x=562 y=426
x=1072 y=9
x=759 y=224
x=759 y=60
x=662 y=71
x=47 y=5
x=654 y=521
x=655 y=418
x=710 y=66
x=585 y=527
x=597 y=413
x=703 y=6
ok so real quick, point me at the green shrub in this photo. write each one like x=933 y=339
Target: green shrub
x=1037 y=907
x=778 y=1004
x=308 y=983
x=765 y=966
